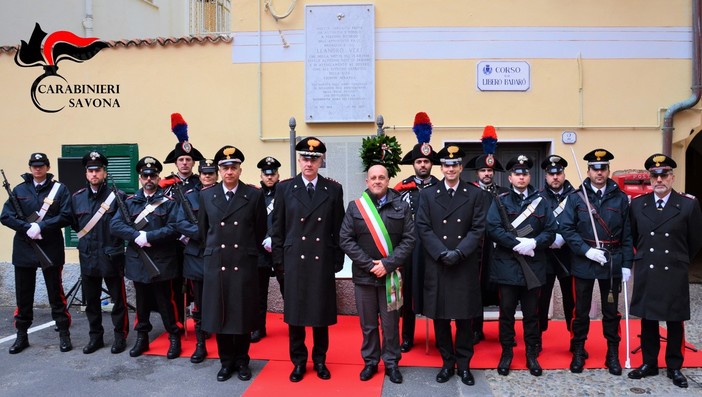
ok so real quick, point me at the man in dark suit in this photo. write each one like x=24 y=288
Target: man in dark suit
x=101 y=254
x=193 y=253
x=422 y=158
x=555 y=193
x=307 y=217
x=600 y=197
x=269 y=182
x=451 y=223
x=523 y=229
x=665 y=227
x=156 y=237
x=376 y=266
x=232 y=223
x=47 y=205
x=485 y=166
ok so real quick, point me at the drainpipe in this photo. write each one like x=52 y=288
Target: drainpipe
x=88 y=20
x=696 y=82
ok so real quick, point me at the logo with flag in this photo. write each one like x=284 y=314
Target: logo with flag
x=47 y=50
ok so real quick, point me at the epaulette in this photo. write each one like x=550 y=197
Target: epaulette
x=79 y=191
x=208 y=187
x=253 y=186
x=188 y=191
x=402 y=186
x=503 y=194
x=333 y=180
x=691 y=197
x=285 y=180
x=167 y=181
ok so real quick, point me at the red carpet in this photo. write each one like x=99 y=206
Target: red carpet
x=345 y=343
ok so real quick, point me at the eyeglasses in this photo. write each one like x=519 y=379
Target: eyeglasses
x=147 y=176
x=662 y=176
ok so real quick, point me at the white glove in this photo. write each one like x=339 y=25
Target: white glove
x=34 y=231
x=529 y=253
x=184 y=239
x=558 y=242
x=267 y=244
x=596 y=255
x=141 y=239
x=525 y=245
x=626 y=274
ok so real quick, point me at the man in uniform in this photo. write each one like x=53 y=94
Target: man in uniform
x=555 y=194
x=375 y=267
x=665 y=227
x=101 y=254
x=422 y=158
x=149 y=225
x=232 y=222
x=591 y=262
x=46 y=209
x=485 y=166
x=185 y=156
x=450 y=223
x=269 y=181
x=193 y=261
x=523 y=229
x=307 y=217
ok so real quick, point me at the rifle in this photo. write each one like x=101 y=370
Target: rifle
x=531 y=280
x=151 y=267
x=185 y=202
x=188 y=209
x=44 y=259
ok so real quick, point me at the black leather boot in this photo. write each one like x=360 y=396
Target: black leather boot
x=505 y=360
x=612 y=359
x=65 y=344
x=572 y=350
x=578 y=362
x=174 y=348
x=200 y=349
x=531 y=353
x=21 y=342
x=141 y=345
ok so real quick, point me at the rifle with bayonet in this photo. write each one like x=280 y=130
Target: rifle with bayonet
x=44 y=259
x=187 y=207
x=149 y=264
x=531 y=280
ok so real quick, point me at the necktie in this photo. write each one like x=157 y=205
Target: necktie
x=523 y=196
x=310 y=189
x=451 y=192
x=38 y=187
x=660 y=204
x=229 y=194
x=599 y=194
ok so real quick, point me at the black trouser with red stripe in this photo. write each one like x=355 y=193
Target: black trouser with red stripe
x=196 y=289
x=160 y=292
x=610 y=314
x=510 y=296
x=651 y=343
x=92 y=291
x=566 y=284
x=25 y=285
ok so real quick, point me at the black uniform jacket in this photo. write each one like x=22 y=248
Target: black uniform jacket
x=193 y=261
x=160 y=233
x=266 y=258
x=612 y=225
x=101 y=253
x=358 y=243
x=232 y=231
x=57 y=217
x=445 y=223
x=505 y=267
x=306 y=241
x=666 y=242
x=558 y=258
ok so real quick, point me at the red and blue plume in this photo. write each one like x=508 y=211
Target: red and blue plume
x=489 y=140
x=422 y=127
x=179 y=127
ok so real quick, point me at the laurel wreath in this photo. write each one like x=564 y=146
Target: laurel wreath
x=383 y=150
